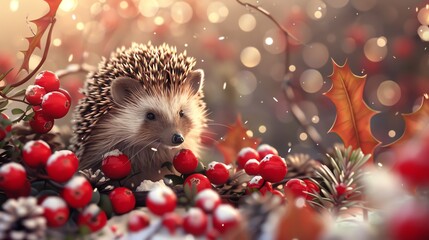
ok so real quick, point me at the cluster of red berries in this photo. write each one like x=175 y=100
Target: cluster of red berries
x=195 y=181
x=6 y=126
x=49 y=101
x=209 y=217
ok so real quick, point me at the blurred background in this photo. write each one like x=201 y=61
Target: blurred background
x=243 y=55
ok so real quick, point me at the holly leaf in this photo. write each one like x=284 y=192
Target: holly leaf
x=416 y=121
x=352 y=123
x=42 y=25
x=298 y=219
x=235 y=139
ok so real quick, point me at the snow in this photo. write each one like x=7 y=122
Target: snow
x=46 y=96
x=264 y=147
x=147 y=185
x=251 y=161
x=57 y=155
x=76 y=182
x=209 y=198
x=29 y=145
x=114 y=153
x=255 y=180
x=195 y=216
x=157 y=194
x=53 y=203
x=8 y=167
x=212 y=165
x=226 y=213
x=245 y=150
x=267 y=158
x=92 y=209
x=29 y=89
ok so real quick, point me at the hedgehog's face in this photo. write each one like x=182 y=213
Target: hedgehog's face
x=160 y=120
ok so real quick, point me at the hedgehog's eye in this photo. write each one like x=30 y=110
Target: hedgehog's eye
x=181 y=113
x=150 y=116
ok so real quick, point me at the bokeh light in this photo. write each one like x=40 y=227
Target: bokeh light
x=373 y=51
x=68 y=5
x=14 y=5
x=181 y=12
x=250 y=57
x=315 y=55
x=364 y=5
x=247 y=22
x=148 y=8
x=423 y=32
x=217 y=12
x=388 y=93
x=423 y=15
x=244 y=82
x=337 y=3
x=311 y=81
x=316 y=9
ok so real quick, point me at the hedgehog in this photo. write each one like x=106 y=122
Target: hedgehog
x=145 y=101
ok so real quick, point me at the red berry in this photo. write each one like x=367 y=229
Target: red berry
x=225 y=217
x=195 y=183
x=341 y=189
x=245 y=155
x=273 y=168
x=207 y=200
x=66 y=93
x=278 y=193
x=116 y=165
x=4 y=130
x=185 y=161
x=77 y=192
x=265 y=149
x=36 y=153
x=13 y=176
x=217 y=173
x=62 y=165
x=172 y=221
x=255 y=184
x=138 y=221
x=195 y=222
x=297 y=187
x=409 y=222
x=252 y=167
x=48 y=80
x=34 y=94
x=267 y=187
x=55 y=105
x=161 y=200
x=122 y=200
x=411 y=162
x=40 y=123
x=56 y=211
x=92 y=217
x=22 y=192
x=312 y=187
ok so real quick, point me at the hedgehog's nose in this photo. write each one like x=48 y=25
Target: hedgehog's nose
x=177 y=139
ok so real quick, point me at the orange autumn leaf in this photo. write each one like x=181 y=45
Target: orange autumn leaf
x=352 y=123
x=416 y=121
x=299 y=221
x=235 y=139
x=42 y=25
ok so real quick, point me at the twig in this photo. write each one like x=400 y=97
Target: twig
x=44 y=57
x=75 y=68
x=11 y=98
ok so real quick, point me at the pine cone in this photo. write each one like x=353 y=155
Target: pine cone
x=235 y=187
x=22 y=219
x=24 y=134
x=301 y=165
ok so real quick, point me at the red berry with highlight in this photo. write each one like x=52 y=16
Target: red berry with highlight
x=252 y=167
x=172 y=221
x=116 y=165
x=217 y=173
x=185 y=161
x=297 y=187
x=62 y=165
x=40 y=123
x=55 y=105
x=207 y=200
x=265 y=149
x=225 y=218
x=34 y=94
x=48 y=80
x=13 y=177
x=4 y=130
x=245 y=155
x=341 y=189
x=56 y=211
x=122 y=200
x=161 y=200
x=77 y=192
x=273 y=168
x=93 y=218
x=66 y=93
x=195 y=183
x=36 y=153
x=138 y=221
x=195 y=222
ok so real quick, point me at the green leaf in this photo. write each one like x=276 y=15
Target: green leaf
x=3 y=103
x=175 y=179
x=19 y=93
x=17 y=111
x=28 y=117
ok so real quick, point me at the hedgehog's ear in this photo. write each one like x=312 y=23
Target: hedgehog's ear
x=195 y=79
x=122 y=87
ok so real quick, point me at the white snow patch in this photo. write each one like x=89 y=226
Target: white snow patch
x=267 y=158
x=147 y=185
x=58 y=154
x=76 y=182
x=209 y=198
x=195 y=216
x=251 y=161
x=54 y=203
x=29 y=145
x=92 y=209
x=212 y=165
x=46 y=96
x=255 y=180
x=114 y=153
x=226 y=213
x=265 y=147
x=157 y=195
x=9 y=166
x=245 y=150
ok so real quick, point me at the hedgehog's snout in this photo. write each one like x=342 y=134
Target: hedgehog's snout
x=177 y=139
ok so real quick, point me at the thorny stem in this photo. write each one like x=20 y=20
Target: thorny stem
x=44 y=57
x=286 y=83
